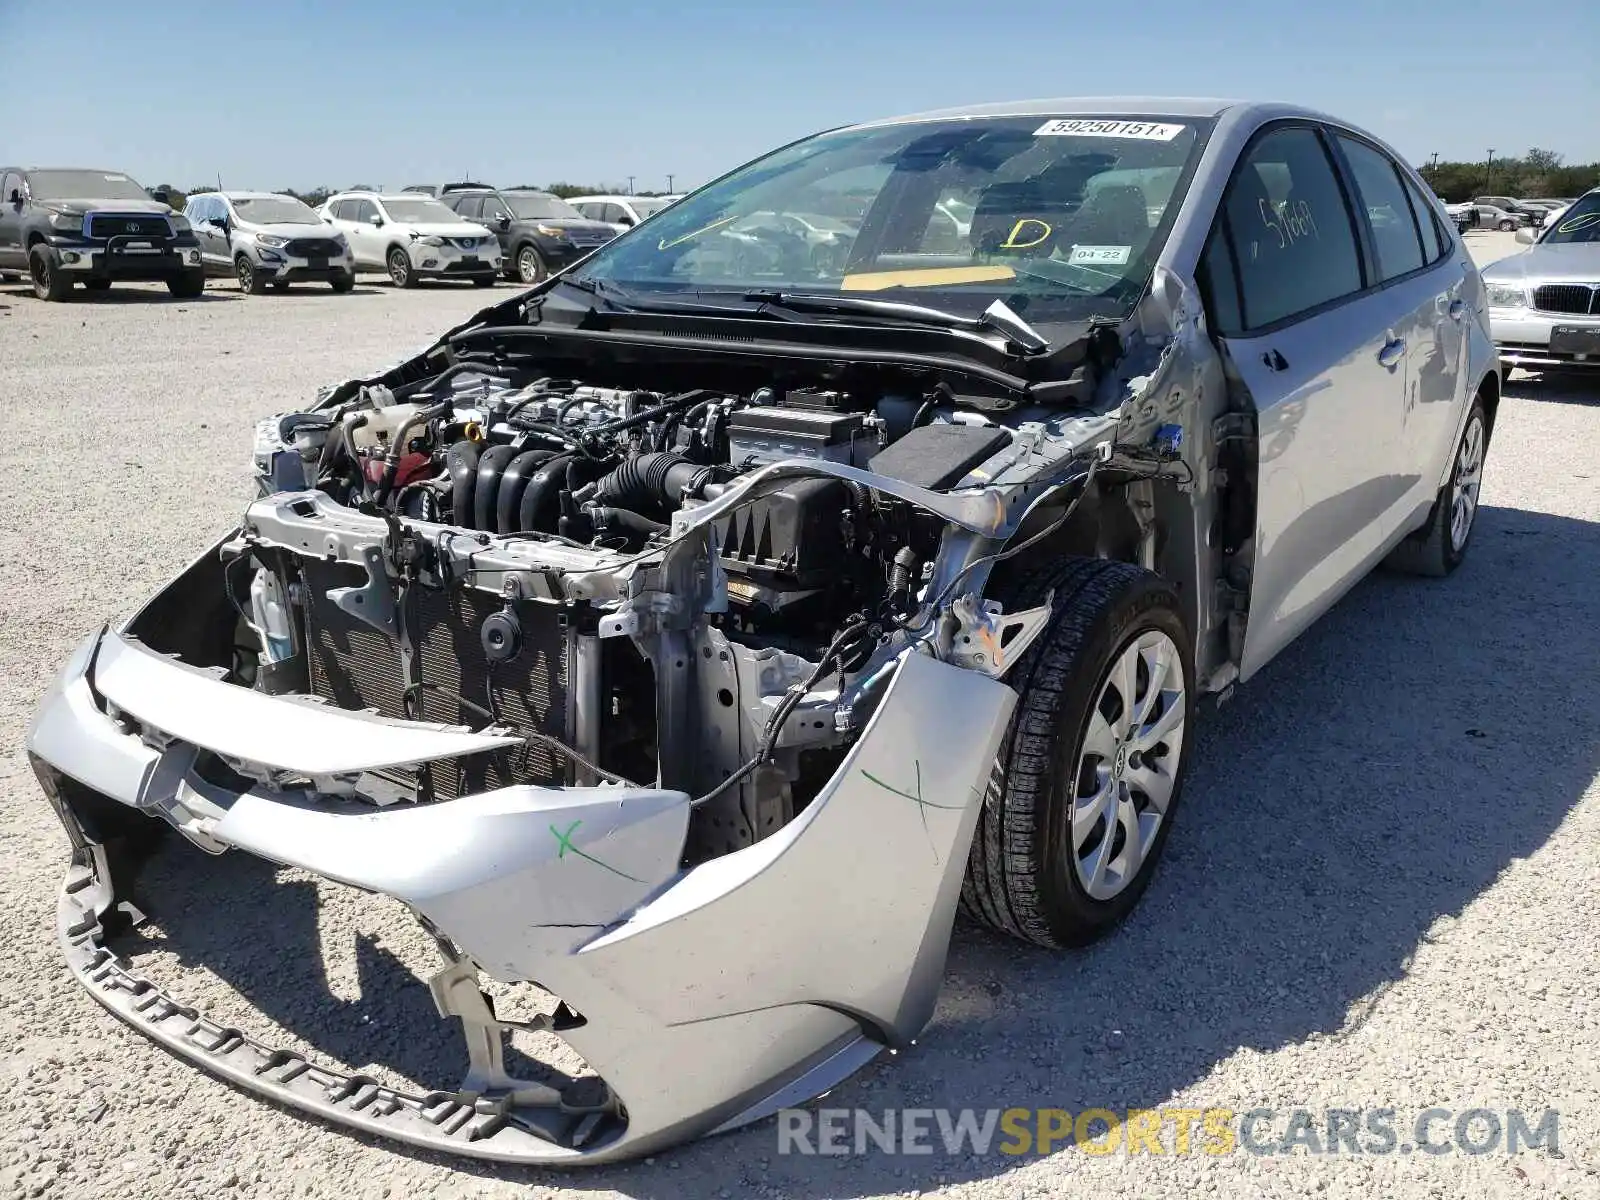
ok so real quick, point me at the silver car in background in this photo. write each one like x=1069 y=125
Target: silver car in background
x=1544 y=303
x=689 y=644
x=267 y=238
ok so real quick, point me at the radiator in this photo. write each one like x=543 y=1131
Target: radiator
x=357 y=667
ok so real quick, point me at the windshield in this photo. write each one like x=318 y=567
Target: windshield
x=542 y=208
x=1580 y=223
x=1061 y=218
x=417 y=210
x=83 y=185
x=275 y=210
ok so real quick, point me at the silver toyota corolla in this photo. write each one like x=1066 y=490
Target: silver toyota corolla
x=1544 y=304
x=689 y=635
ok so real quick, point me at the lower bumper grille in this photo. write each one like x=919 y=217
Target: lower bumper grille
x=357 y=667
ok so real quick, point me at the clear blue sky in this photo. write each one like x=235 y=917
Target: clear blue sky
x=294 y=93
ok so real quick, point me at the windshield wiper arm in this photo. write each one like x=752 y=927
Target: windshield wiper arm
x=997 y=317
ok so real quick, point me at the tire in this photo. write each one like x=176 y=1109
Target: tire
x=280 y=285
x=1507 y=226
x=1029 y=873
x=483 y=281
x=1440 y=546
x=249 y=278
x=189 y=285
x=530 y=265
x=344 y=284
x=96 y=285
x=400 y=272
x=48 y=283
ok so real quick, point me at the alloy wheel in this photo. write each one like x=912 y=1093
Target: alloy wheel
x=399 y=268
x=529 y=267
x=1128 y=763
x=1464 y=487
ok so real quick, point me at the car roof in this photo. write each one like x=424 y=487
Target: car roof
x=1076 y=106
x=248 y=195
x=91 y=170
x=381 y=196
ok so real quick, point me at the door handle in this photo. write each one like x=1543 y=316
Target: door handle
x=1458 y=309
x=1392 y=351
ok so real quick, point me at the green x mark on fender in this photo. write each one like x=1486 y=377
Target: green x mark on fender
x=564 y=843
x=916 y=798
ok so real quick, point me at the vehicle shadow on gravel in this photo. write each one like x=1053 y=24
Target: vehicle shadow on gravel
x=1342 y=810
x=118 y=296
x=1558 y=387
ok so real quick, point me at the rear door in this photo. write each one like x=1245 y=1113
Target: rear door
x=1420 y=294
x=1288 y=290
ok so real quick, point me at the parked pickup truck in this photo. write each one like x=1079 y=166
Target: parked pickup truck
x=67 y=226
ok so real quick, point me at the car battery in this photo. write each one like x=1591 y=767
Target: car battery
x=757 y=436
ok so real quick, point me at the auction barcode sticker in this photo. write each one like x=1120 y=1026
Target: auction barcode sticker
x=1078 y=127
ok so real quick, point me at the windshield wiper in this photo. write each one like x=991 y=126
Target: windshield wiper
x=997 y=317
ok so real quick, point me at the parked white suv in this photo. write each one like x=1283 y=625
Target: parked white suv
x=412 y=237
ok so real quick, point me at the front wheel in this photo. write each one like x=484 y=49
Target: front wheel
x=49 y=283
x=483 y=280
x=343 y=283
x=188 y=285
x=97 y=285
x=1089 y=775
x=400 y=272
x=530 y=265
x=1507 y=226
x=250 y=280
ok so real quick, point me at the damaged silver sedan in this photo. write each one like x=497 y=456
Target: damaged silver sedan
x=690 y=635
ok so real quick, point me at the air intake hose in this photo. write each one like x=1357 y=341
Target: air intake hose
x=651 y=481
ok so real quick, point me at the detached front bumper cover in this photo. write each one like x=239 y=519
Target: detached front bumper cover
x=704 y=998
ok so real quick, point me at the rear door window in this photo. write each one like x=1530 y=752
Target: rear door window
x=1434 y=241
x=1385 y=208
x=1286 y=222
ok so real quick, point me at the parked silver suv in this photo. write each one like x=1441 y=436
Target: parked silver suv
x=262 y=238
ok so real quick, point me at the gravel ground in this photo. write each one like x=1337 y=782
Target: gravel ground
x=1382 y=891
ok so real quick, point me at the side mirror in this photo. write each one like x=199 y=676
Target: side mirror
x=504 y=223
x=161 y=197
x=1525 y=236
x=16 y=195
x=625 y=220
x=219 y=222
x=376 y=220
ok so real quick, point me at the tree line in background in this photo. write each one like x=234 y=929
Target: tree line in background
x=1538 y=174
x=179 y=196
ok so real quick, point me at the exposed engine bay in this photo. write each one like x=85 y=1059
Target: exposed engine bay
x=700 y=590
